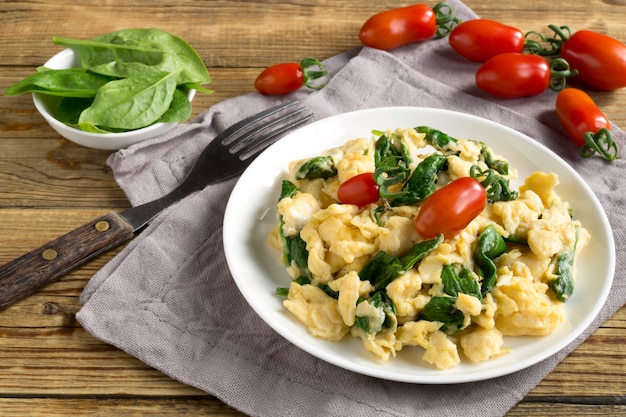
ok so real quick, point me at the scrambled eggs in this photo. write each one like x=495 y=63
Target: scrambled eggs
x=329 y=296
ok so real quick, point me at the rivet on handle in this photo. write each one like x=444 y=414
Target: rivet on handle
x=49 y=254
x=102 y=226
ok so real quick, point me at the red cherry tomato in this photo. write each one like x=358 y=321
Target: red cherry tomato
x=451 y=208
x=360 y=190
x=402 y=26
x=288 y=77
x=578 y=114
x=481 y=39
x=599 y=59
x=512 y=75
x=586 y=125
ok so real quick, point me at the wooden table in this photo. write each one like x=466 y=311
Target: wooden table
x=50 y=365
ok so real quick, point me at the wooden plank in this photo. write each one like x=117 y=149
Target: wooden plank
x=250 y=39
x=165 y=407
x=210 y=406
x=526 y=409
x=41 y=361
x=127 y=407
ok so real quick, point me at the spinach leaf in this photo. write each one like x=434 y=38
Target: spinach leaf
x=391 y=161
x=180 y=108
x=500 y=166
x=384 y=268
x=381 y=300
x=118 y=53
x=131 y=103
x=317 y=167
x=117 y=59
x=72 y=82
x=287 y=189
x=385 y=317
x=302 y=280
x=387 y=147
x=563 y=284
x=454 y=283
x=295 y=252
x=363 y=323
x=381 y=270
x=439 y=140
x=516 y=240
x=329 y=291
x=442 y=309
x=70 y=109
x=282 y=291
x=422 y=181
x=489 y=246
x=419 y=251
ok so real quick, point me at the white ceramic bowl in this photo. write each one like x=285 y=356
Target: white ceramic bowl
x=47 y=106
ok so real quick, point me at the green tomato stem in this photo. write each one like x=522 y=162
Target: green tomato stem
x=602 y=143
x=554 y=43
x=446 y=19
x=559 y=72
x=311 y=75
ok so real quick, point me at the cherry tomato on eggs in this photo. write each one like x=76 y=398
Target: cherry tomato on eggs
x=599 y=59
x=586 y=125
x=481 y=39
x=401 y=26
x=288 y=77
x=451 y=208
x=360 y=190
x=512 y=75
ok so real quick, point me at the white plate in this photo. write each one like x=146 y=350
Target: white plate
x=251 y=214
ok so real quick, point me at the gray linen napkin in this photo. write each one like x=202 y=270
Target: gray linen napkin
x=169 y=300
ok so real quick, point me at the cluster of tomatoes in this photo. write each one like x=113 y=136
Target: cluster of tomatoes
x=386 y=30
x=513 y=64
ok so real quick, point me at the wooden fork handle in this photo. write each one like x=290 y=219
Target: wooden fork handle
x=27 y=274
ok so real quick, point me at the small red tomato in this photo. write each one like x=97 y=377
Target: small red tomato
x=512 y=75
x=599 y=59
x=288 y=77
x=578 y=114
x=359 y=190
x=586 y=125
x=481 y=39
x=451 y=208
x=397 y=27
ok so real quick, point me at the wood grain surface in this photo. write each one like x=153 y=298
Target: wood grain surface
x=48 y=186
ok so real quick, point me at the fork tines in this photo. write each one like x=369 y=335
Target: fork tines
x=255 y=133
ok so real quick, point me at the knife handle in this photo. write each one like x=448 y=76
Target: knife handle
x=23 y=276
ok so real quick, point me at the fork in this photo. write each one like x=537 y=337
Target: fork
x=225 y=157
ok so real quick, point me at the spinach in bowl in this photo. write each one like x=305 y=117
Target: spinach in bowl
x=127 y=80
